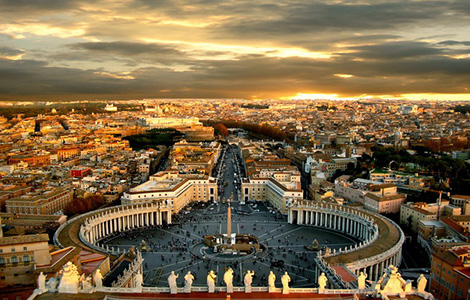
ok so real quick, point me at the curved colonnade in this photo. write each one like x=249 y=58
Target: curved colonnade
x=381 y=239
x=102 y=223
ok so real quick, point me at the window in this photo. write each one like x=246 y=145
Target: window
x=26 y=258
x=14 y=259
x=2 y=261
x=12 y=249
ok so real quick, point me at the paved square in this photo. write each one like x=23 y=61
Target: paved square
x=177 y=247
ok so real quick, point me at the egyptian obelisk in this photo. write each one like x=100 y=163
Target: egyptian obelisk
x=229 y=222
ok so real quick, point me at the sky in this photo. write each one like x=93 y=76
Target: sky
x=134 y=49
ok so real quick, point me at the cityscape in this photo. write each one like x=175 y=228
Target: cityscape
x=114 y=198
x=179 y=149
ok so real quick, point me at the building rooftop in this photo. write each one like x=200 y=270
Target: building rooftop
x=23 y=239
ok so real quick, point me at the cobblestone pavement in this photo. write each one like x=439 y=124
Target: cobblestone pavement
x=169 y=248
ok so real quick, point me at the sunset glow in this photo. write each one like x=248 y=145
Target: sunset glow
x=135 y=49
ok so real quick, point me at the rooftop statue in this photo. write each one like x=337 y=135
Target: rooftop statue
x=188 y=282
x=42 y=282
x=272 y=282
x=69 y=279
x=228 y=279
x=391 y=282
x=248 y=280
x=361 y=281
x=322 y=281
x=98 y=278
x=422 y=282
x=285 y=279
x=211 y=281
x=172 y=282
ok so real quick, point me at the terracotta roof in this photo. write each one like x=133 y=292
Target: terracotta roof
x=344 y=273
x=385 y=198
x=423 y=211
x=464 y=218
x=24 y=239
x=452 y=224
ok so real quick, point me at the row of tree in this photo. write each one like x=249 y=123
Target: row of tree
x=448 y=144
x=82 y=205
x=426 y=162
x=154 y=138
x=265 y=130
x=220 y=129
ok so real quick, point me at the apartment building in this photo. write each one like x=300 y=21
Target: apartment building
x=46 y=201
x=450 y=273
x=20 y=256
x=462 y=201
x=384 y=198
x=411 y=213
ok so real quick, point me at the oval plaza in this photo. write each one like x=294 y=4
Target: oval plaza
x=373 y=241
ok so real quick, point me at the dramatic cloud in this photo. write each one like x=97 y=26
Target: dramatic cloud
x=246 y=49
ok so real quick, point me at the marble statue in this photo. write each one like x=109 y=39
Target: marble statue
x=143 y=246
x=361 y=281
x=69 y=280
x=132 y=252
x=391 y=283
x=188 y=282
x=285 y=279
x=85 y=283
x=322 y=280
x=272 y=282
x=172 y=282
x=42 y=282
x=422 y=282
x=211 y=281
x=98 y=278
x=248 y=280
x=228 y=279
x=52 y=284
x=138 y=280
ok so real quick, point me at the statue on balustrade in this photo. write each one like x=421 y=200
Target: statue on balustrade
x=52 y=284
x=211 y=281
x=272 y=282
x=132 y=252
x=285 y=279
x=85 y=284
x=228 y=279
x=42 y=282
x=361 y=281
x=322 y=281
x=69 y=279
x=98 y=278
x=143 y=246
x=391 y=282
x=172 y=282
x=138 y=280
x=248 y=280
x=188 y=282
x=422 y=282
